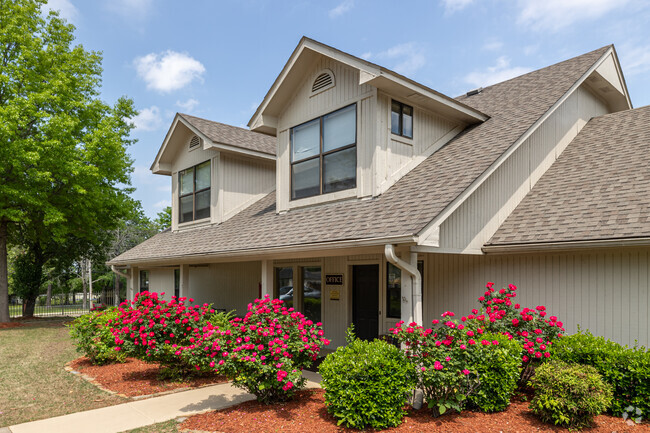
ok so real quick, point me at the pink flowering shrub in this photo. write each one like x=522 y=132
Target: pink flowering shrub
x=265 y=352
x=153 y=329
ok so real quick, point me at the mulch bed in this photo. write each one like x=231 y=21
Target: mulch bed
x=307 y=413
x=136 y=378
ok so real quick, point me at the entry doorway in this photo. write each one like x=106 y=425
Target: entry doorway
x=365 y=301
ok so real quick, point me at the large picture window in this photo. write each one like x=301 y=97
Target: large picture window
x=324 y=154
x=194 y=193
x=394 y=289
x=144 y=281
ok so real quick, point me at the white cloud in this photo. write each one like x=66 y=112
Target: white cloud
x=553 y=15
x=149 y=119
x=131 y=9
x=502 y=71
x=342 y=8
x=635 y=59
x=66 y=9
x=366 y=56
x=452 y=6
x=162 y=204
x=493 y=45
x=168 y=71
x=405 y=58
x=188 y=105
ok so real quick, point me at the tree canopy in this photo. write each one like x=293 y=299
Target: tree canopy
x=65 y=176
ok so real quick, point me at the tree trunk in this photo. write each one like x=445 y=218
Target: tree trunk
x=28 y=306
x=84 y=302
x=4 y=283
x=48 y=299
x=29 y=301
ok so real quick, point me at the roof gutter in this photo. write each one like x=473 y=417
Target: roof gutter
x=567 y=245
x=416 y=289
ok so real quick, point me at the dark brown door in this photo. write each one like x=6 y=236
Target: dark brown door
x=365 y=301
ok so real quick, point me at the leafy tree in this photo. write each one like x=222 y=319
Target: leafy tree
x=164 y=219
x=63 y=151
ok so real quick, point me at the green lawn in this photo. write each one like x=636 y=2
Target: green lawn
x=33 y=383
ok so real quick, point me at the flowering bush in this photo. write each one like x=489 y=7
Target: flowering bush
x=98 y=307
x=265 y=352
x=93 y=337
x=153 y=329
x=366 y=383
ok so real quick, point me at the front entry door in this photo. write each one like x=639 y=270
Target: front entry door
x=365 y=301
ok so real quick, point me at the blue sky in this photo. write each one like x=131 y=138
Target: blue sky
x=217 y=59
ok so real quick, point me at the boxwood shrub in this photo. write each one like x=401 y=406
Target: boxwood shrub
x=93 y=337
x=498 y=367
x=367 y=384
x=569 y=394
x=626 y=369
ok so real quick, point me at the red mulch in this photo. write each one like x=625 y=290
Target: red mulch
x=307 y=413
x=134 y=377
x=11 y=325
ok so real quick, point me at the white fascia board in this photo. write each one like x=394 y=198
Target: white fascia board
x=435 y=223
x=566 y=245
x=621 y=77
x=164 y=143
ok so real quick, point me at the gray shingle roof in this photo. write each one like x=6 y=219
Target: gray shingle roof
x=407 y=206
x=599 y=188
x=232 y=135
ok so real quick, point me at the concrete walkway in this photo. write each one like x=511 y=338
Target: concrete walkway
x=140 y=413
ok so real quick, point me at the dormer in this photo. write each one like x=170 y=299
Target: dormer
x=349 y=129
x=216 y=169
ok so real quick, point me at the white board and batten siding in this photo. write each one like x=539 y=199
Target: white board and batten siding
x=241 y=182
x=478 y=218
x=607 y=292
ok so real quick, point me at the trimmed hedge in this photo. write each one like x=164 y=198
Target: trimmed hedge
x=367 y=384
x=569 y=394
x=626 y=369
x=498 y=367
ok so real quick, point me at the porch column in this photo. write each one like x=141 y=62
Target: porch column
x=267 y=278
x=184 y=289
x=133 y=283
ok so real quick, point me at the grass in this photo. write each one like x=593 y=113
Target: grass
x=163 y=427
x=33 y=383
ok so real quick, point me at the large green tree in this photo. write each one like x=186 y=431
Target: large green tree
x=64 y=169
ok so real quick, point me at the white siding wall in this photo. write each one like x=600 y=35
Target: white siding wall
x=395 y=156
x=231 y=286
x=162 y=280
x=243 y=181
x=476 y=220
x=606 y=292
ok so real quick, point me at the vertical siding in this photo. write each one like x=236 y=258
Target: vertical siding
x=476 y=220
x=245 y=180
x=335 y=317
x=162 y=281
x=606 y=292
x=395 y=156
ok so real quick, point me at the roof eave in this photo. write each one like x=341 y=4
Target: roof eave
x=531 y=247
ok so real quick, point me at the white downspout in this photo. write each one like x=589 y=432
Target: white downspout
x=118 y=272
x=416 y=278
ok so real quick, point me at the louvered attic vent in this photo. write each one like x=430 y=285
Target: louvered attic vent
x=195 y=141
x=323 y=81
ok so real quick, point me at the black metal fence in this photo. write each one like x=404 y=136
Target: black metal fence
x=65 y=304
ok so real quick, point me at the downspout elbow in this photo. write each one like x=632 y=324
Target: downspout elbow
x=118 y=272
x=389 y=252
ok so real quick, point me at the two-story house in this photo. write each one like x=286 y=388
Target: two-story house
x=361 y=196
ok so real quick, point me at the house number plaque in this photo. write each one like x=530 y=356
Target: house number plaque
x=334 y=280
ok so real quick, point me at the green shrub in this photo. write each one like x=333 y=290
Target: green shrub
x=569 y=394
x=626 y=369
x=367 y=384
x=93 y=337
x=498 y=367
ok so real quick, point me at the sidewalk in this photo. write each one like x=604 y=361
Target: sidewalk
x=140 y=413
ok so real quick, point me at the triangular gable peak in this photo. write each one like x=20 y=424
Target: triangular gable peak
x=188 y=131
x=308 y=51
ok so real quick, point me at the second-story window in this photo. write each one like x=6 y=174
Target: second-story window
x=194 y=193
x=324 y=154
x=401 y=119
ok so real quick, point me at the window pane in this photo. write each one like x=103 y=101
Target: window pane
x=187 y=181
x=305 y=140
x=311 y=293
x=394 y=118
x=407 y=121
x=340 y=128
x=202 y=204
x=203 y=176
x=284 y=284
x=186 y=209
x=393 y=291
x=305 y=178
x=144 y=281
x=340 y=170
x=177 y=282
